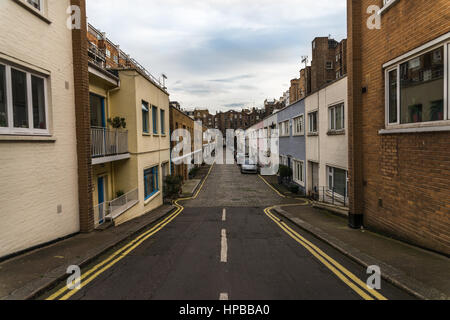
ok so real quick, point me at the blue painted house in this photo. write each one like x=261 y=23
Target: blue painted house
x=291 y=125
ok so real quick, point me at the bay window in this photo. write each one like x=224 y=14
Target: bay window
x=416 y=88
x=23 y=102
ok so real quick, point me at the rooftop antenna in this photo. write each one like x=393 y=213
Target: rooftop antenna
x=305 y=60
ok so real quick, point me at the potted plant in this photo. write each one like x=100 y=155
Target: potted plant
x=117 y=122
x=285 y=173
x=172 y=187
x=119 y=194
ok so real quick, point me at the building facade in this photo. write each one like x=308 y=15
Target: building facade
x=40 y=162
x=327 y=142
x=400 y=120
x=130 y=133
x=292 y=147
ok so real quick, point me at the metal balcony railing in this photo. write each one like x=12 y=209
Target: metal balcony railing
x=331 y=196
x=110 y=210
x=108 y=142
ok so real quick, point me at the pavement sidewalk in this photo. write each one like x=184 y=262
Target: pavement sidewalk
x=28 y=275
x=422 y=273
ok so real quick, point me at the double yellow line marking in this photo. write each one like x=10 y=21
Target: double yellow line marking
x=65 y=293
x=341 y=272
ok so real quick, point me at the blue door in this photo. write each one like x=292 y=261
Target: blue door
x=101 y=198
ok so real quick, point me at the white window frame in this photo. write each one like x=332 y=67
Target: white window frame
x=41 y=5
x=295 y=172
x=395 y=65
x=301 y=118
x=310 y=122
x=330 y=174
x=332 y=120
x=11 y=130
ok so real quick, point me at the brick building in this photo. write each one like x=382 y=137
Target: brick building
x=399 y=120
x=294 y=90
x=328 y=61
x=270 y=106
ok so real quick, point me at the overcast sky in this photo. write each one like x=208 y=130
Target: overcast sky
x=220 y=54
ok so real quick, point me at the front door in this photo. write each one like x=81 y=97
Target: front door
x=101 y=198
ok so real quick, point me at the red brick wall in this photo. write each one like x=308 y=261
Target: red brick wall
x=400 y=182
x=83 y=117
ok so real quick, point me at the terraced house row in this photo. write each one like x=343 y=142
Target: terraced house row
x=373 y=136
x=84 y=128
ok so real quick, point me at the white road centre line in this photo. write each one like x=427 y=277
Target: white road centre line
x=224 y=215
x=223 y=297
x=224 y=250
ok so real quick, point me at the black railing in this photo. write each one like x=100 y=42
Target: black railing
x=334 y=196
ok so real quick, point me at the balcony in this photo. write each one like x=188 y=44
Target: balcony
x=108 y=211
x=109 y=145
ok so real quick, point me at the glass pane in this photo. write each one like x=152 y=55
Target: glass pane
x=339 y=116
x=393 y=96
x=340 y=181
x=3 y=105
x=332 y=119
x=38 y=93
x=145 y=121
x=148 y=181
x=20 y=101
x=422 y=88
x=97 y=112
x=155 y=120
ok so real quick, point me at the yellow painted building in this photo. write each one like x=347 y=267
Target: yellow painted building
x=38 y=144
x=129 y=164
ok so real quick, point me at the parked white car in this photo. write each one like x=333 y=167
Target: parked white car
x=249 y=166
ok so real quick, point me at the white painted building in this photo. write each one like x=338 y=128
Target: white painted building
x=327 y=139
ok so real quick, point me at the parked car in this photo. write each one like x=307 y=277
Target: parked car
x=240 y=157
x=249 y=166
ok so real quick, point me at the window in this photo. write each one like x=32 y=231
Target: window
x=108 y=53
x=38 y=96
x=312 y=119
x=285 y=130
x=23 y=102
x=329 y=65
x=3 y=102
x=336 y=117
x=298 y=125
x=37 y=4
x=151 y=182
x=415 y=90
x=145 y=117
x=163 y=122
x=299 y=172
x=155 y=119
x=337 y=181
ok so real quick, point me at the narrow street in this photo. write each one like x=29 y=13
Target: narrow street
x=223 y=246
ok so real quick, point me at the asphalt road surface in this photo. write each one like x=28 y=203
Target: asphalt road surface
x=224 y=246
